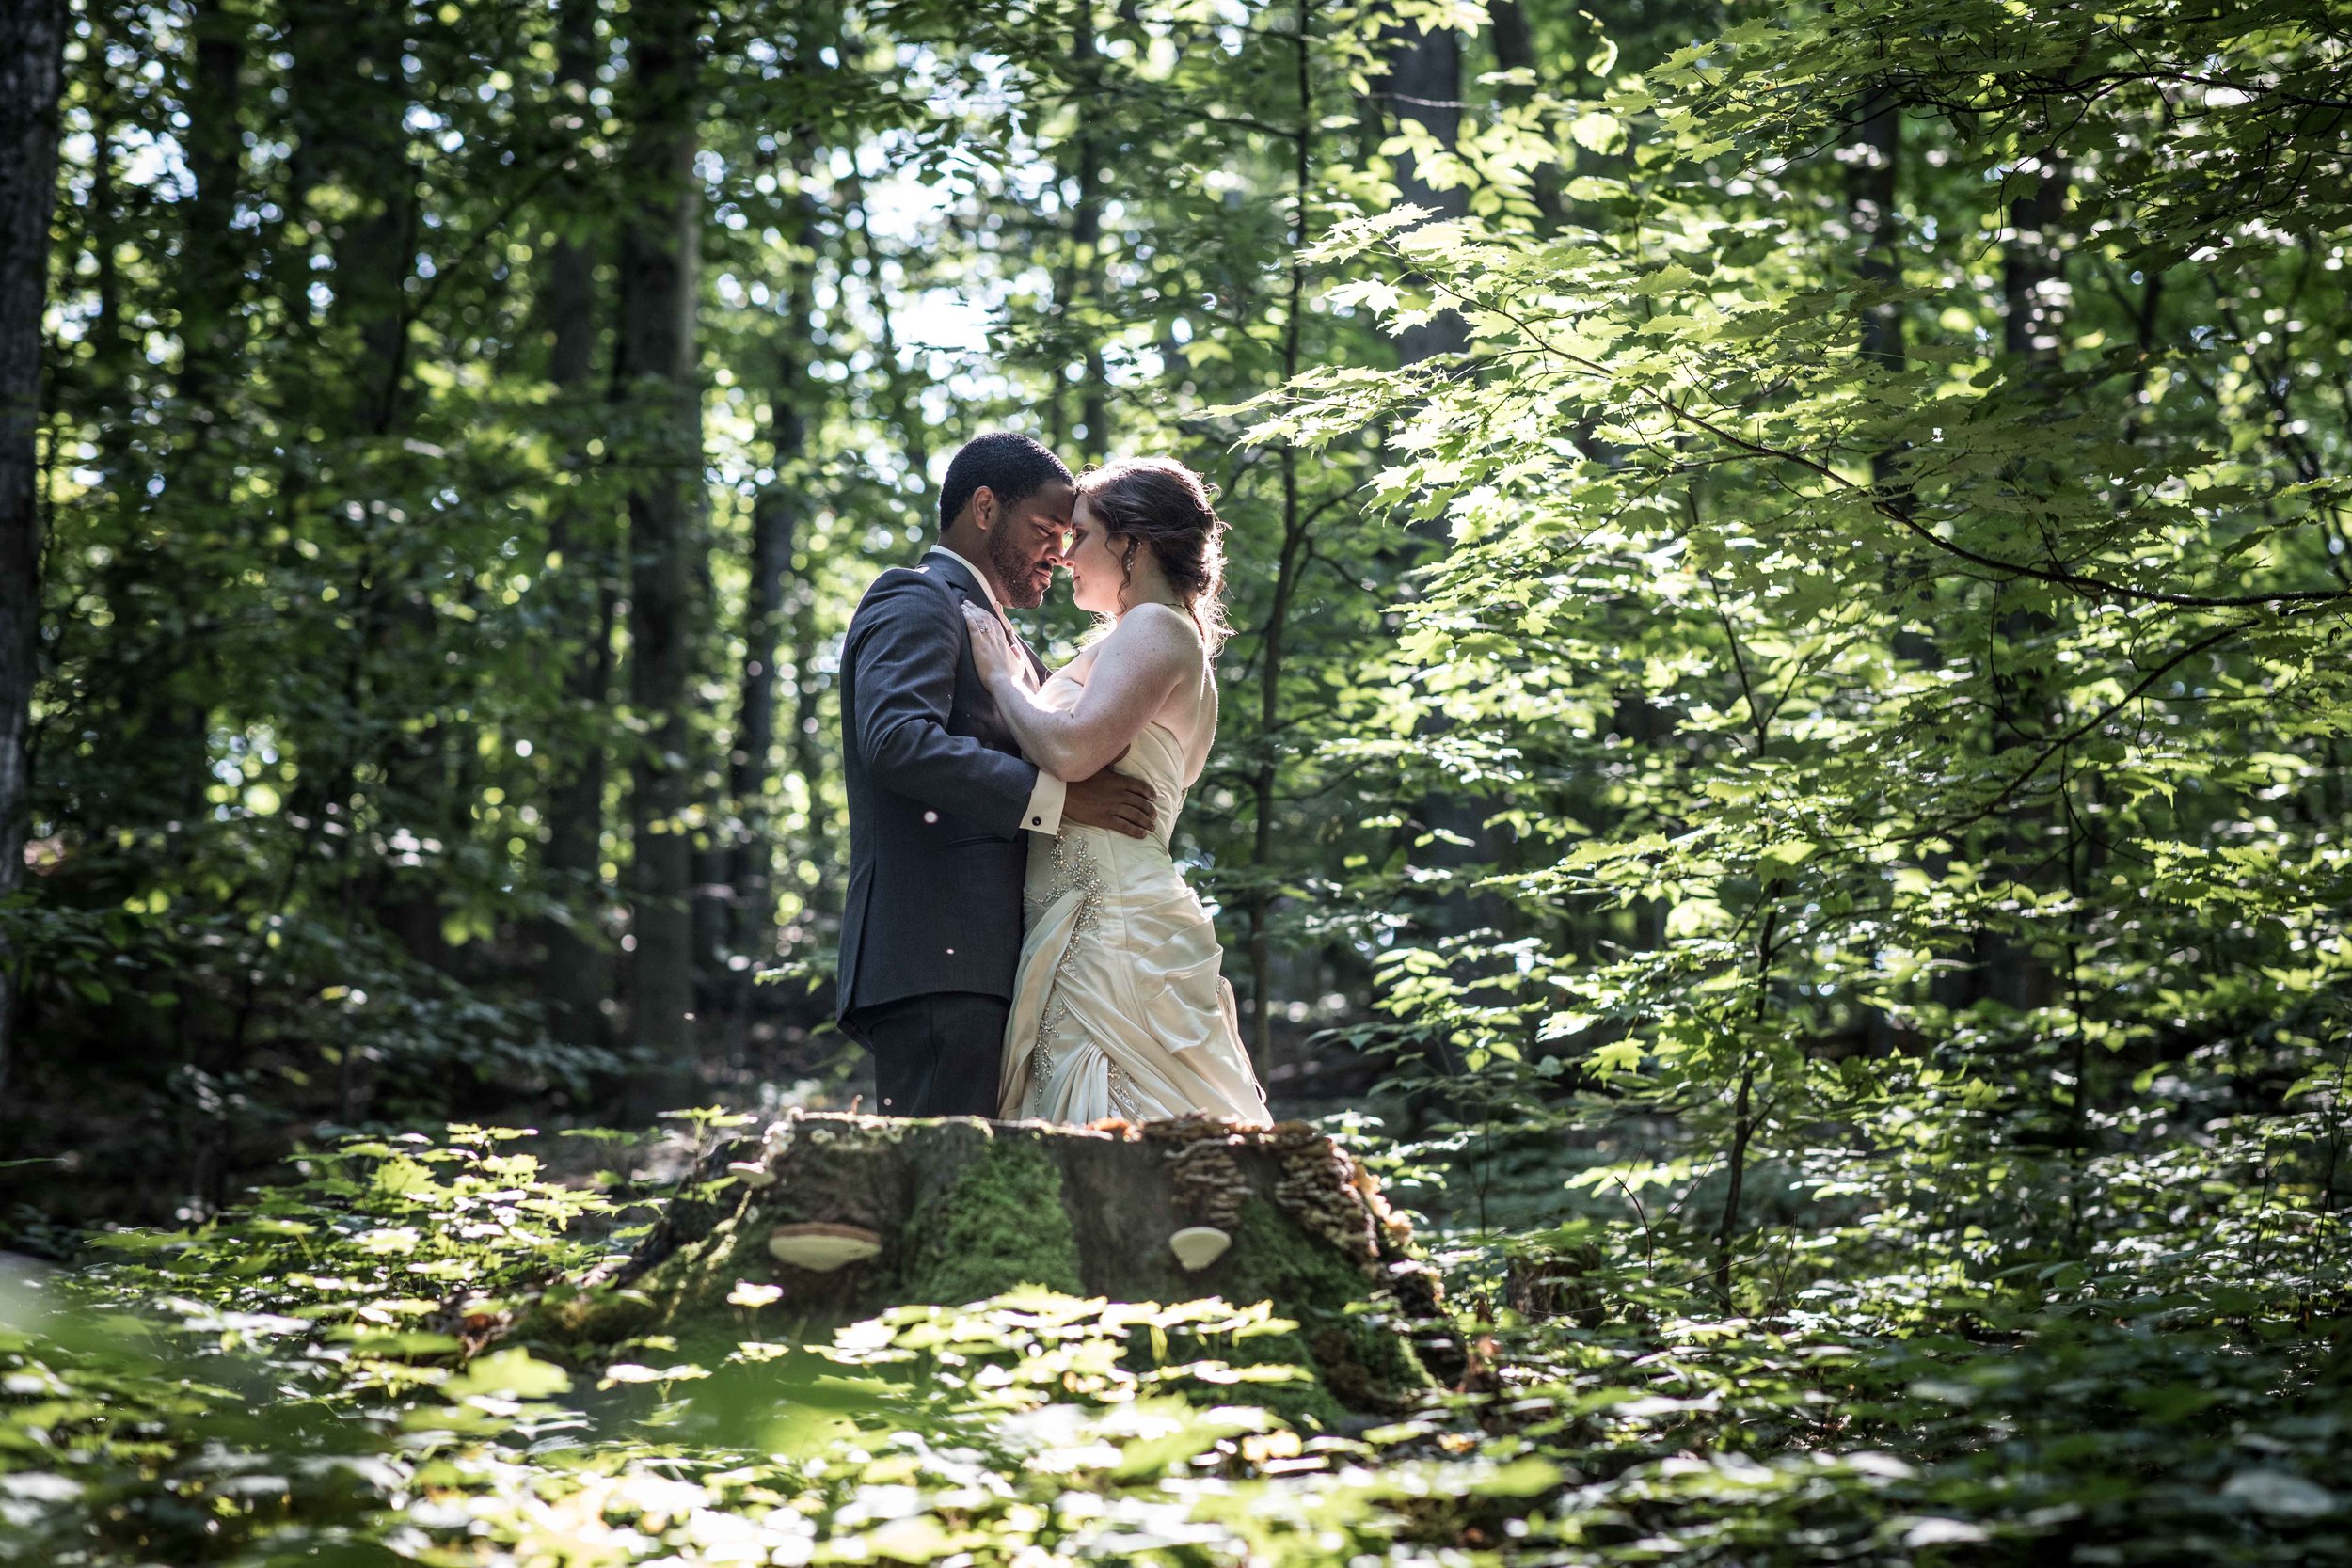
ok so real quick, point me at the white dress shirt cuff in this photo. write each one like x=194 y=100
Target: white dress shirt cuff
x=1045 y=803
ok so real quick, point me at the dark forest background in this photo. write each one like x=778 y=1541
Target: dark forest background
x=1786 y=757
x=465 y=436
x=1827 y=553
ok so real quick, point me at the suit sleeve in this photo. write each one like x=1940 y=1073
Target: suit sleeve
x=905 y=648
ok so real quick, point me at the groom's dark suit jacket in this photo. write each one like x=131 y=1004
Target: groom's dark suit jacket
x=937 y=793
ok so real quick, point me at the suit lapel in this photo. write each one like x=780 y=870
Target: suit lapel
x=949 y=570
x=952 y=571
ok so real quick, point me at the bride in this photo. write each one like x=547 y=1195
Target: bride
x=1119 y=1007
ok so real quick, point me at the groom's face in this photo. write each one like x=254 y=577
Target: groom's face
x=1027 y=541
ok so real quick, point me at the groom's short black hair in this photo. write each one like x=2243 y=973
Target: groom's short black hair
x=1012 y=466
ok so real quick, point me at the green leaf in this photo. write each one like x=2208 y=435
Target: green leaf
x=512 y=1374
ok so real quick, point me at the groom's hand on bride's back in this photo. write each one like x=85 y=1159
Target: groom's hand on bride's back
x=1111 y=800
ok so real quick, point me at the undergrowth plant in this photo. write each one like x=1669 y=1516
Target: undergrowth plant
x=315 y=1378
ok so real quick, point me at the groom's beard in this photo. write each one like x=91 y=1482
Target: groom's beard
x=1023 y=576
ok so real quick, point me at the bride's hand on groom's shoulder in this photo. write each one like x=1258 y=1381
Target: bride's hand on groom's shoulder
x=991 y=650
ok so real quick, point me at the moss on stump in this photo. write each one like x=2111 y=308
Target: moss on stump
x=961 y=1209
x=1002 y=1224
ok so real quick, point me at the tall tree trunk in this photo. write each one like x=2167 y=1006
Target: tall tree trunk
x=736 y=922
x=211 y=272
x=1870 y=188
x=1084 y=285
x=162 y=580
x=575 y=975
x=2030 y=263
x=353 y=175
x=1425 y=89
x=114 y=349
x=905 y=411
x=1289 y=564
x=32 y=44
x=1873 y=161
x=710 y=898
x=785 y=623
x=656 y=372
x=2006 y=971
x=574 y=971
x=776 y=514
x=808 y=758
x=350 y=110
x=1514 y=50
x=776 y=527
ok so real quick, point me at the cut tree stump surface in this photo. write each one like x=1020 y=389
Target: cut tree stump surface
x=879 y=1212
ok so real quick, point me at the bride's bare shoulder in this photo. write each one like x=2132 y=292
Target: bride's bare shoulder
x=1156 y=622
x=1156 y=638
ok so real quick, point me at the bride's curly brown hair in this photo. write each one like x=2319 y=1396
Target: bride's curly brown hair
x=1158 y=504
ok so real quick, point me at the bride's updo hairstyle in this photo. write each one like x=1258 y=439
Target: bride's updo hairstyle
x=1157 y=504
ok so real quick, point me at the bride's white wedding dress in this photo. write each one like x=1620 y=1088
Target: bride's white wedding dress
x=1119 y=1007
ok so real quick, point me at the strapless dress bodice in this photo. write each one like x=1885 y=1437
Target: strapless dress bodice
x=1120 y=1006
x=1156 y=757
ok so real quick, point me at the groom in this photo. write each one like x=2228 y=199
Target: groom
x=940 y=801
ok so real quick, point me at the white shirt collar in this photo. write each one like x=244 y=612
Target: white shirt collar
x=978 y=576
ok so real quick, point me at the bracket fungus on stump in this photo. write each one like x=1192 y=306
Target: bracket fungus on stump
x=849 y=1215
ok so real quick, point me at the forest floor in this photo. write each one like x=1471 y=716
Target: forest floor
x=89 y=1151
x=292 y=1383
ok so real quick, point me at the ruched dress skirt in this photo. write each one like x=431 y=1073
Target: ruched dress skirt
x=1120 y=1007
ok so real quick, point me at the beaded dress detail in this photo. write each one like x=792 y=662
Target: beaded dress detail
x=1120 y=1006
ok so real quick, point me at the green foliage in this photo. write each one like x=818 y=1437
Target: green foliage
x=1904 y=683
x=224 y=1398
x=336 y=733
x=1807 y=683
x=136 y=1426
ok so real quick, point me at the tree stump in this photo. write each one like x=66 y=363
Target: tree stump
x=851 y=1215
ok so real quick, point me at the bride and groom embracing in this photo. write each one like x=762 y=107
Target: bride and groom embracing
x=1017 y=942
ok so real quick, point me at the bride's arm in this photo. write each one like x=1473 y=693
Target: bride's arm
x=1136 y=670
